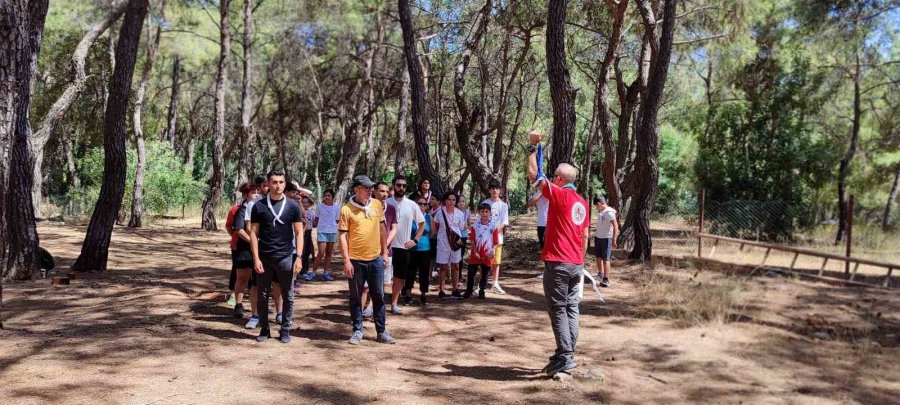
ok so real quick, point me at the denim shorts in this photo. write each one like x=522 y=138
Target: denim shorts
x=603 y=248
x=326 y=237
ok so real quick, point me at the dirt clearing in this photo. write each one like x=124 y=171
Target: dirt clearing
x=155 y=329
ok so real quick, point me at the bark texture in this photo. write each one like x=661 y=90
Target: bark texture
x=22 y=28
x=95 y=249
x=646 y=171
x=471 y=141
x=844 y=169
x=402 y=117
x=246 y=113
x=602 y=122
x=172 y=116
x=561 y=92
x=419 y=106
x=137 y=199
x=214 y=195
x=363 y=109
x=892 y=197
x=61 y=106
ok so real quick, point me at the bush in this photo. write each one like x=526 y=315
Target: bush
x=167 y=182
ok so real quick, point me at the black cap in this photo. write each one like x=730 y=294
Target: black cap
x=363 y=180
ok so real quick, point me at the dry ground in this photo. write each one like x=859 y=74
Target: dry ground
x=155 y=329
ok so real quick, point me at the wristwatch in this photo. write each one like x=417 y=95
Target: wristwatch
x=530 y=148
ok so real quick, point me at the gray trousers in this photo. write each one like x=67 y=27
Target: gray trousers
x=561 y=292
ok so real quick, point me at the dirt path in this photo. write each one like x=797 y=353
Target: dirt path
x=155 y=330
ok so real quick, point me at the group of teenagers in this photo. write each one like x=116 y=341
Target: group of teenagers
x=382 y=226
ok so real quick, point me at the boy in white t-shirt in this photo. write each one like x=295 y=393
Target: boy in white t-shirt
x=500 y=218
x=605 y=238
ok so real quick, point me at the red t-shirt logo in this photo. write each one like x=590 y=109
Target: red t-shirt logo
x=579 y=213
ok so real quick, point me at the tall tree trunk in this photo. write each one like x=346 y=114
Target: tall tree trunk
x=402 y=116
x=246 y=108
x=844 y=169
x=95 y=250
x=419 y=106
x=61 y=106
x=603 y=124
x=647 y=135
x=507 y=159
x=889 y=206
x=22 y=25
x=137 y=196
x=561 y=91
x=72 y=181
x=505 y=85
x=214 y=196
x=363 y=111
x=471 y=144
x=172 y=116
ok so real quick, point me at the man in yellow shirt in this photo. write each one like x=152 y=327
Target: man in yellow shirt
x=363 y=240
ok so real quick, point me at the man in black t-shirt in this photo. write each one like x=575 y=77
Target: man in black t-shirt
x=276 y=223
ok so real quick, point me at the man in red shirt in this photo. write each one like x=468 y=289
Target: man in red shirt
x=566 y=242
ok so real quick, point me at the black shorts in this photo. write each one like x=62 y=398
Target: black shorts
x=603 y=248
x=242 y=259
x=403 y=263
x=541 y=230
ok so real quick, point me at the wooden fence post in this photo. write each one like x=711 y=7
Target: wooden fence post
x=700 y=227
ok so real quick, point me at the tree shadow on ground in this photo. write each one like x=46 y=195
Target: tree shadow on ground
x=490 y=373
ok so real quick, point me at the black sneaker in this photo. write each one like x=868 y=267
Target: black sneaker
x=560 y=365
x=604 y=282
x=481 y=294
x=423 y=300
x=467 y=294
x=385 y=337
x=285 y=336
x=456 y=295
x=442 y=295
x=263 y=335
x=553 y=360
x=406 y=298
x=239 y=311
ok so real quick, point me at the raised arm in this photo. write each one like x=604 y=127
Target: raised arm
x=531 y=161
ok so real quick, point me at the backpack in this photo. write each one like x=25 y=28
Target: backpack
x=455 y=241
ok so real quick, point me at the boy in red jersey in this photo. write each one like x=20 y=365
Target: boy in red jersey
x=485 y=237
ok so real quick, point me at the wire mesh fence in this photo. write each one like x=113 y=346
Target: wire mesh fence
x=786 y=235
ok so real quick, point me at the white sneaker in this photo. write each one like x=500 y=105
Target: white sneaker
x=495 y=288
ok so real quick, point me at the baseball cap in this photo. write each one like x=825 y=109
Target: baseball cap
x=363 y=180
